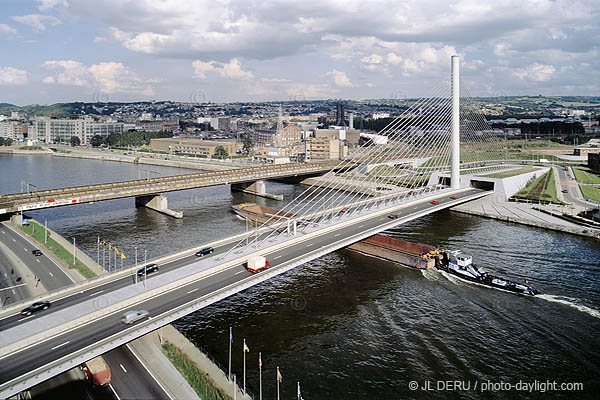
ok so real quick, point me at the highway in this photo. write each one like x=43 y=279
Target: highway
x=130 y=377
x=39 y=354
x=574 y=192
x=50 y=274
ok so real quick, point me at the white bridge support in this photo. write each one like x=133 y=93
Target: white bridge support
x=455 y=156
x=158 y=203
x=257 y=188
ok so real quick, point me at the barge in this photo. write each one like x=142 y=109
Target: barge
x=410 y=254
x=260 y=214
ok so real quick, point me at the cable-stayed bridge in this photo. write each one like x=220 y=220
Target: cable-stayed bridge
x=416 y=173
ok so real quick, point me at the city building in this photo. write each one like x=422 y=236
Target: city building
x=352 y=136
x=583 y=151
x=289 y=135
x=325 y=149
x=339 y=115
x=221 y=123
x=157 y=126
x=13 y=129
x=593 y=161
x=60 y=130
x=264 y=137
x=194 y=146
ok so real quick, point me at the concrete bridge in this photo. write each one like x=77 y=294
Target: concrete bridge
x=148 y=191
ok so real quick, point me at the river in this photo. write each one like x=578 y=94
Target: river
x=349 y=326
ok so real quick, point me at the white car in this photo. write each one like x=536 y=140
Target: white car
x=132 y=316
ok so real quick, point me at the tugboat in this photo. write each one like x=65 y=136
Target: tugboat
x=461 y=265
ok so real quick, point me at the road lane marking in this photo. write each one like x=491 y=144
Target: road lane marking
x=114 y=391
x=336 y=235
x=360 y=226
x=149 y=373
x=24 y=249
x=37 y=260
x=239 y=272
x=50 y=274
x=310 y=244
x=6 y=276
x=60 y=345
x=123 y=368
x=98 y=292
x=14 y=291
x=275 y=258
x=193 y=290
x=23 y=319
x=14 y=240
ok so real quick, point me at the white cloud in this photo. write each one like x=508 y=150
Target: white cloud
x=201 y=68
x=107 y=77
x=7 y=31
x=45 y=5
x=535 y=72
x=340 y=78
x=12 y=76
x=233 y=69
x=37 y=21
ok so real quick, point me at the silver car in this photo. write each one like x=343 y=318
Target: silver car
x=132 y=316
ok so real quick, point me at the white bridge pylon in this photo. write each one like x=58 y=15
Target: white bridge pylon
x=423 y=152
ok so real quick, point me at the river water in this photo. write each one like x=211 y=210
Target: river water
x=350 y=326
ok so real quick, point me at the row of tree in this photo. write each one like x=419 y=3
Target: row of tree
x=130 y=138
x=5 y=141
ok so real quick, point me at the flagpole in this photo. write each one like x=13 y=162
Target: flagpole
x=244 y=351
x=234 y=388
x=259 y=377
x=230 y=341
x=109 y=255
x=277 y=383
x=299 y=396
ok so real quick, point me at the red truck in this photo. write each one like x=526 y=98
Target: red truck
x=257 y=263
x=97 y=371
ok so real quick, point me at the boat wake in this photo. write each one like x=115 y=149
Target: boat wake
x=431 y=274
x=573 y=303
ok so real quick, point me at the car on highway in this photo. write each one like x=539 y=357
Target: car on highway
x=37 y=306
x=345 y=209
x=454 y=197
x=435 y=202
x=36 y=252
x=132 y=316
x=393 y=216
x=565 y=191
x=148 y=269
x=204 y=251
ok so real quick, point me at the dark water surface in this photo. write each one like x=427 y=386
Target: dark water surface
x=349 y=326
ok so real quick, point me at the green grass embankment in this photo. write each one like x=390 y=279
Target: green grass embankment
x=36 y=231
x=508 y=174
x=590 y=192
x=586 y=175
x=194 y=375
x=542 y=189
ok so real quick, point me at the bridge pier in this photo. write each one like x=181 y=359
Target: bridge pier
x=157 y=202
x=257 y=188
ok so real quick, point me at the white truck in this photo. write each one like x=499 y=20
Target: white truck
x=257 y=263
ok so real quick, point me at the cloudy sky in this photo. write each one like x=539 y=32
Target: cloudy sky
x=210 y=50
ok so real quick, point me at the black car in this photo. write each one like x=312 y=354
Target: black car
x=148 y=269
x=37 y=306
x=36 y=252
x=204 y=251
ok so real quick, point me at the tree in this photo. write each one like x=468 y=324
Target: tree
x=75 y=141
x=248 y=144
x=97 y=141
x=1 y=141
x=220 y=152
x=8 y=142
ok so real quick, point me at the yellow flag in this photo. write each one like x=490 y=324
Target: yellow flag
x=109 y=247
x=117 y=251
x=122 y=256
x=246 y=347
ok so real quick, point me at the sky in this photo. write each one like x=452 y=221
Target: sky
x=229 y=51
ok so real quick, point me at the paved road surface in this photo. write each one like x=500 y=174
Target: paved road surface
x=52 y=349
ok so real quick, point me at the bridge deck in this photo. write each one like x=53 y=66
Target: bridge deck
x=11 y=203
